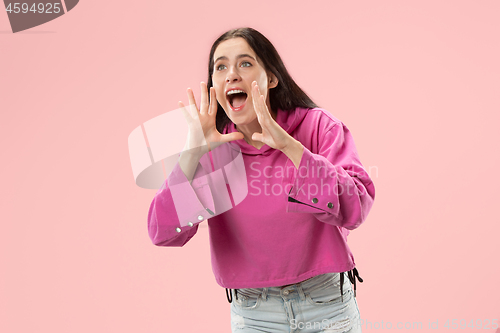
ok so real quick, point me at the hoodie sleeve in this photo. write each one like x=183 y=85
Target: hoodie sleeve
x=178 y=206
x=332 y=183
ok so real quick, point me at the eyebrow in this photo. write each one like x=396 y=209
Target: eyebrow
x=238 y=57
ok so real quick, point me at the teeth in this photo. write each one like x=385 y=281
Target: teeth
x=231 y=92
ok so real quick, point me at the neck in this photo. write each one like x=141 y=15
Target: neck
x=249 y=129
x=254 y=127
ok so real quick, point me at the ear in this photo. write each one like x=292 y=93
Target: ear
x=273 y=81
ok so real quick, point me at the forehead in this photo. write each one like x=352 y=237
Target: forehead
x=232 y=47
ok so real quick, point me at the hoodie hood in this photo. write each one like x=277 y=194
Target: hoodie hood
x=288 y=120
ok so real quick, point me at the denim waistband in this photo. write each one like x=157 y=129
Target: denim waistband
x=316 y=282
x=304 y=286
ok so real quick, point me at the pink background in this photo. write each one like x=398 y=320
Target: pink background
x=417 y=83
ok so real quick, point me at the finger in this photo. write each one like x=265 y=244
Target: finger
x=255 y=98
x=213 y=102
x=259 y=104
x=266 y=114
x=192 y=101
x=256 y=87
x=204 y=98
x=185 y=113
x=262 y=104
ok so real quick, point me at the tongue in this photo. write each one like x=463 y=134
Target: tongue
x=238 y=100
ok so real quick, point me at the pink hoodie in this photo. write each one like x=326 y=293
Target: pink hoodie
x=291 y=225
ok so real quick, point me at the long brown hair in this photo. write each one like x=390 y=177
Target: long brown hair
x=286 y=96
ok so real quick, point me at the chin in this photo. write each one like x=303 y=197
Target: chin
x=243 y=118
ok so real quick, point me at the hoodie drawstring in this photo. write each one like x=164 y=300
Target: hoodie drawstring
x=352 y=275
x=228 y=292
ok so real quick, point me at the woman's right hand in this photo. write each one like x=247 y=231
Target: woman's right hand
x=202 y=129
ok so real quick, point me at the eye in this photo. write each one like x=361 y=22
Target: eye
x=244 y=63
x=221 y=67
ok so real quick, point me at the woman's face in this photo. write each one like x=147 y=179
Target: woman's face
x=235 y=68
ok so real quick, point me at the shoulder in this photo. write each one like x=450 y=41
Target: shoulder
x=318 y=119
x=318 y=128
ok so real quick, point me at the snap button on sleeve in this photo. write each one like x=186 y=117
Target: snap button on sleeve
x=330 y=205
x=178 y=229
x=200 y=218
x=315 y=200
x=190 y=224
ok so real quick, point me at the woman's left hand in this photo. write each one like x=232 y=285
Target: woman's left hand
x=273 y=134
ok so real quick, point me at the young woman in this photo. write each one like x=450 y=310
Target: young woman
x=282 y=250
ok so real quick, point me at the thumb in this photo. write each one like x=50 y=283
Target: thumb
x=258 y=137
x=232 y=136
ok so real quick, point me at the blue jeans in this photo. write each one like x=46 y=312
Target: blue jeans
x=314 y=305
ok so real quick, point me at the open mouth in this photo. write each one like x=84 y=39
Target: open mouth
x=236 y=99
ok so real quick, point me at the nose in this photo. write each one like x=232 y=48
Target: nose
x=232 y=75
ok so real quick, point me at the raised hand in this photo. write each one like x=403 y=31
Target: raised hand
x=201 y=122
x=273 y=134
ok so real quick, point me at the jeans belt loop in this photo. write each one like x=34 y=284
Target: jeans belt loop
x=301 y=292
x=264 y=294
